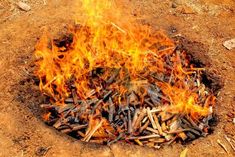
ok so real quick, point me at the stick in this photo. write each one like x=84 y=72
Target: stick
x=111 y=109
x=115 y=140
x=78 y=127
x=230 y=142
x=120 y=29
x=149 y=103
x=151 y=118
x=157 y=124
x=152 y=130
x=111 y=79
x=177 y=131
x=143 y=137
x=137 y=111
x=90 y=134
x=139 y=119
x=222 y=145
x=129 y=122
x=138 y=142
x=75 y=97
x=144 y=126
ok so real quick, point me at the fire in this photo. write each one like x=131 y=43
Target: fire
x=108 y=46
x=102 y=43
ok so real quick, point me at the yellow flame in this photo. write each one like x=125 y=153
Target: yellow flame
x=112 y=40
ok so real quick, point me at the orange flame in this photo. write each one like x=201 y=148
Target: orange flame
x=111 y=41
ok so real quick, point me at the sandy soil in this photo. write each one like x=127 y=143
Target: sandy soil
x=22 y=133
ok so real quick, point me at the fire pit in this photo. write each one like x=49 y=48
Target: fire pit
x=110 y=82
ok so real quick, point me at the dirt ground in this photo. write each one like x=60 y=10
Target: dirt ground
x=22 y=133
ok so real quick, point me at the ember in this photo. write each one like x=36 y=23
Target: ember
x=110 y=82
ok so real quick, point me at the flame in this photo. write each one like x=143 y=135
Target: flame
x=115 y=41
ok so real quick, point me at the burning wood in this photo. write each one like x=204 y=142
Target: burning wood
x=111 y=84
x=132 y=116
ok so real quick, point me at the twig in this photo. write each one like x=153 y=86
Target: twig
x=157 y=124
x=111 y=109
x=151 y=118
x=120 y=29
x=115 y=140
x=222 y=145
x=129 y=121
x=230 y=142
x=143 y=137
x=89 y=135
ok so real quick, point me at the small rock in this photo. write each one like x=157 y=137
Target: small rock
x=229 y=44
x=41 y=151
x=174 y=5
x=24 y=6
x=172 y=29
x=187 y=10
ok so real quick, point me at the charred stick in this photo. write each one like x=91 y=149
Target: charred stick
x=190 y=135
x=195 y=132
x=129 y=121
x=65 y=107
x=111 y=109
x=115 y=140
x=62 y=127
x=148 y=102
x=100 y=101
x=48 y=106
x=96 y=106
x=125 y=122
x=79 y=127
x=107 y=95
x=129 y=116
x=193 y=124
x=112 y=78
x=75 y=97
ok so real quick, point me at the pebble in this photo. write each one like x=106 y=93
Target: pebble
x=174 y=5
x=187 y=10
x=229 y=44
x=24 y=6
